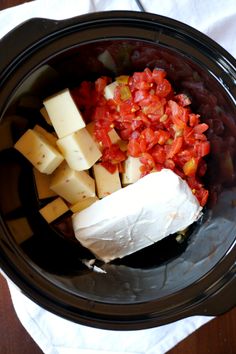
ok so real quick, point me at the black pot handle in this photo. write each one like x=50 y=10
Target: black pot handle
x=35 y=30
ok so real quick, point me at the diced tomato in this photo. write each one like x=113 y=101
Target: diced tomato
x=202 y=196
x=157 y=126
x=149 y=75
x=161 y=136
x=140 y=95
x=175 y=147
x=143 y=144
x=201 y=137
x=202 y=148
x=200 y=128
x=100 y=84
x=158 y=75
x=169 y=163
x=164 y=88
x=193 y=183
x=147 y=159
x=148 y=135
x=102 y=137
x=109 y=166
x=158 y=153
x=134 y=148
x=193 y=119
x=183 y=100
x=125 y=133
x=100 y=113
x=113 y=154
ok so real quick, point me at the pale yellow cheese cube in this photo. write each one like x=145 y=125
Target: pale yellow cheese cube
x=49 y=136
x=114 y=136
x=132 y=171
x=39 y=151
x=79 y=149
x=42 y=182
x=106 y=182
x=72 y=185
x=53 y=210
x=83 y=204
x=45 y=115
x=63 y=113
x=106 y=59
x=20 y=229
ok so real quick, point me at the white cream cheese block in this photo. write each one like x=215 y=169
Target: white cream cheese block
x=137 y=216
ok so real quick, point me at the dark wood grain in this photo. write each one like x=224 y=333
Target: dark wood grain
x=9 y=3
x=13 y=337
x=216 y=337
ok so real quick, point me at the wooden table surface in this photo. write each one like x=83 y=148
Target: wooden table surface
x=216 y=337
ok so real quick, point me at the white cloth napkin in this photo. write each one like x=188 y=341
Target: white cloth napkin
x=54 y=335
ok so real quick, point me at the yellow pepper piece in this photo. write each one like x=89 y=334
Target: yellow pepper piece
x=123 y=79
x=125 y=93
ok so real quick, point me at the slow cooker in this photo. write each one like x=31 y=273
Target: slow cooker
x=162 y=283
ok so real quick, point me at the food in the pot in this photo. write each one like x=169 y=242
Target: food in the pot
x=72 y=185
x=83 y=204
x=115 y=139
x=132 y=171
x=20 y=229
x=63 y=113
x=54 y=209
x=135 y=130
x=106 y=182
x=39 y=151
x=79 y=149
x=49 y=136
x=137 y=216
x=42 y=182
x=156 y=124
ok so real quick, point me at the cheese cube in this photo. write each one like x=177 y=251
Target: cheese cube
x=112 y=134
x=49 y=136
x=106 y=59
x=109 y=90
x=42 y=182
x=45 y=115
x=20 y=229
x=83 y=204
x=53 y=210
x=72 y=185
x=106 y=182
x=132 y=171
x=39 y=151
x=79 y=150
x=63 y=113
